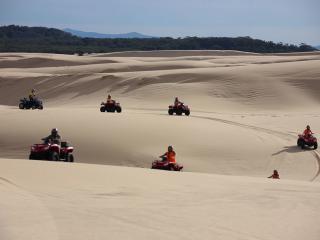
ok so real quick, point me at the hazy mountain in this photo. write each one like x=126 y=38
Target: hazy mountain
x=102 y=35
x=317 y=47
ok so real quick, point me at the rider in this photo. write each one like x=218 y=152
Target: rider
x=307 y=132
x=54 y=137
x=169 y=156
x=109 y=99
x=275 y=175
x=177 y=102
x=32 y=95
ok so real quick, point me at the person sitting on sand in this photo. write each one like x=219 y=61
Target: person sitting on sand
x=275 y=175
x=307 y=132
x=32 y=95
x=177 y=102
x=54 y=137
x=169 y=156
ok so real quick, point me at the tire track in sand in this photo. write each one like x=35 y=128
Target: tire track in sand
x=37 y=222
x=286 y=136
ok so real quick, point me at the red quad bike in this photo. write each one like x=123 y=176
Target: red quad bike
x=52 y=152
x=304 y=141
x=110 y=107
x=165 y=165
x=179 y=109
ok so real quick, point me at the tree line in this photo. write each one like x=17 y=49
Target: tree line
x=15 y=38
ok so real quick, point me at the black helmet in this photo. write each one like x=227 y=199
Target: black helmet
x=170 y=148
x=308 y=127
x=54 y=131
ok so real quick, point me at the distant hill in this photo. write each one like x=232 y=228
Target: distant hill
x=102 y=35
x=317 y=47
x=50 y=40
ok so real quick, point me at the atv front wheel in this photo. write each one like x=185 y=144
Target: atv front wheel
x=187 y=113
x=119 y=109
x=315 y=146
x=170 y=111
x=54 y=156
x=179 y=112
x=21 y=106
x=300 y=143
x=69 y=158
x=40 y=107
x=102 y=109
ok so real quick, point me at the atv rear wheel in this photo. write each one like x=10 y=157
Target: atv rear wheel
x=31 y=157
x=54 y=156
x=40 y=107
x=187 y=113
x=119 y=109
x=170 y=111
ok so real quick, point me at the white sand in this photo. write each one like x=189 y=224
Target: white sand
x=246 y=111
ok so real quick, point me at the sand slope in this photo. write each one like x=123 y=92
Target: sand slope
x=207 y=82
x=80 y=201
x=246 y=112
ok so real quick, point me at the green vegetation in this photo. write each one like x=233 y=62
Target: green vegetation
x=49 y=40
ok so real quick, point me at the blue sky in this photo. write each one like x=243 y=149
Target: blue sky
x=290 y=21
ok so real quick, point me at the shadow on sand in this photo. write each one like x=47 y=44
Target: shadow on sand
x=291 y=149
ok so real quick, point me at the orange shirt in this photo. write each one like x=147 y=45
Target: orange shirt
x=171 y=157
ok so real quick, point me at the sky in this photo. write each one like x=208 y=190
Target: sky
x=288 y=21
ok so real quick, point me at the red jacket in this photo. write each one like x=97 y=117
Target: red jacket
x=307 y=132
x=171 y=157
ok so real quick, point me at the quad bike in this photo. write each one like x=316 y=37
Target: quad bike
x=52 y=152
x=30 y=104
x=165 y=165
x=304 y=141
x=179 y=109
x=110 y=107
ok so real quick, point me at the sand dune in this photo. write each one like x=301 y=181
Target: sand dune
x=253 y=81
x=81 y=201
x=246 y=112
